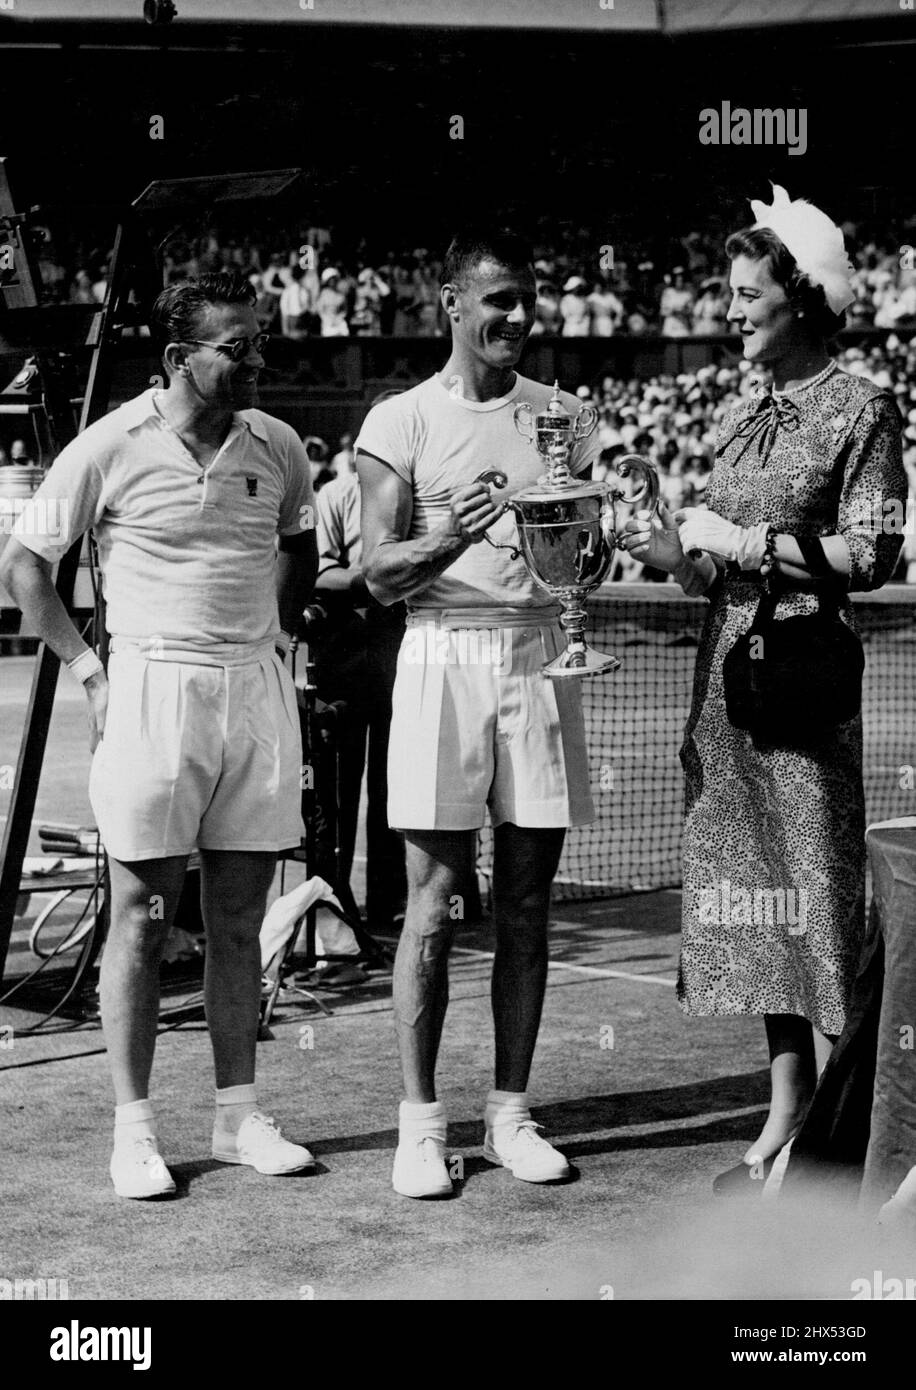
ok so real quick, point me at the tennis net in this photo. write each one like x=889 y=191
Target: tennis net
x=635 y=721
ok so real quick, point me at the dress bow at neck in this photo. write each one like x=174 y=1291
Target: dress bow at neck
x=771 y=413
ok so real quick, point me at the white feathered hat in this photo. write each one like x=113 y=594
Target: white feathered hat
x=813 y=240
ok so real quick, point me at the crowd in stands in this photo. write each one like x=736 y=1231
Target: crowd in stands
x=309 y=285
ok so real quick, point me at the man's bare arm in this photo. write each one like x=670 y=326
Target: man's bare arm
x=28 y=578
x=394 y=567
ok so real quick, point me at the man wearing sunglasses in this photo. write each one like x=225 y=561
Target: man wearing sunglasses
x=194 y=730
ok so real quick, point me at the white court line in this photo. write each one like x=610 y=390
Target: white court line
x=581 y=969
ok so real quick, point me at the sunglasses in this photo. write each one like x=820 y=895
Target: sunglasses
x=237 y=348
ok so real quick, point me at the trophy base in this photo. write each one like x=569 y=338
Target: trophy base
x=578 y=662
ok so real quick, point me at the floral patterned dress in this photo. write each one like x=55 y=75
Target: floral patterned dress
x=774 y=848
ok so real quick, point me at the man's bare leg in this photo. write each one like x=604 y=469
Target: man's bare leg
x=144 y=898
x=439 y=865
x=524 y=864
x=235 y=888
x=234 y=900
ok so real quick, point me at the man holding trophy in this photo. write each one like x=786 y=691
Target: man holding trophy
x=475 y=724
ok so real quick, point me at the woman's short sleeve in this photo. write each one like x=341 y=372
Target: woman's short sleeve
x=872 y=507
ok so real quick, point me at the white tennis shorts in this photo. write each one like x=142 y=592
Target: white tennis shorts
x=205 y=756
x=476 y=726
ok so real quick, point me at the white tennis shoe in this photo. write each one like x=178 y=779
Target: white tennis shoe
x=516 y=1145
x=138 y=1169
x=419 y=1167
x=260 y=1145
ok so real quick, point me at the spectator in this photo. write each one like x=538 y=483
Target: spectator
x=710 y=310
x=606 y=308
x=317 y=452
x=332 y=306
x=268 y=289
x=575 y=308
x=676 y=305
x=20 y=453
x=637 y=322
x=371 y=291
x=81 y=289
x=548 y=319
x=295 y=306
x=355 y=653
x=403 y=321
x=426 y=301
x=100 y=283
x=344 y=461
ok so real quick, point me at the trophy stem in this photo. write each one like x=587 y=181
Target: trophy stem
x=577 y=658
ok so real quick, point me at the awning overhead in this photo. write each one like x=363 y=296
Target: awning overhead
x=625 y=16
x=684 y=16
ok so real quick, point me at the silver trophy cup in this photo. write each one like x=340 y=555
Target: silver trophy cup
x=568 y=529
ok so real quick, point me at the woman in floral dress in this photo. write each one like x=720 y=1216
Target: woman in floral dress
x=774 y=850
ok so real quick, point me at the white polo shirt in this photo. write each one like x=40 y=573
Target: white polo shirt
x=188 y=555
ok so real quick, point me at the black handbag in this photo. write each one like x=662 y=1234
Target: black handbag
x=790 y=683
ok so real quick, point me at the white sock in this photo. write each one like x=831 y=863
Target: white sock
x=504 y=1107
x=134 y=1121
x=233 y=1105
x=418 y=1119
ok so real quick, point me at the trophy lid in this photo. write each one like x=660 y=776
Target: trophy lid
x=555 y=415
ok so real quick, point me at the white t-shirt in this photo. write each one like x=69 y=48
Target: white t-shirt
x=188 y=556
x=438 y=441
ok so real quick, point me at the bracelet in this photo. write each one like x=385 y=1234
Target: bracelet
x=768 y=563
x=85 y=666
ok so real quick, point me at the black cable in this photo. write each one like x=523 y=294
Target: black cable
x=58 y=950
x=87 y=953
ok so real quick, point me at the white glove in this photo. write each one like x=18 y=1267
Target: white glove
x=700 y=529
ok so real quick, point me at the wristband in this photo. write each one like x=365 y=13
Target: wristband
x=85 y=666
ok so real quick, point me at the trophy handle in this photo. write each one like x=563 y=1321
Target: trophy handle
x=498 y=479
x=523 y=419
x=492 y=475
x=647 y=496
x=586 y=421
